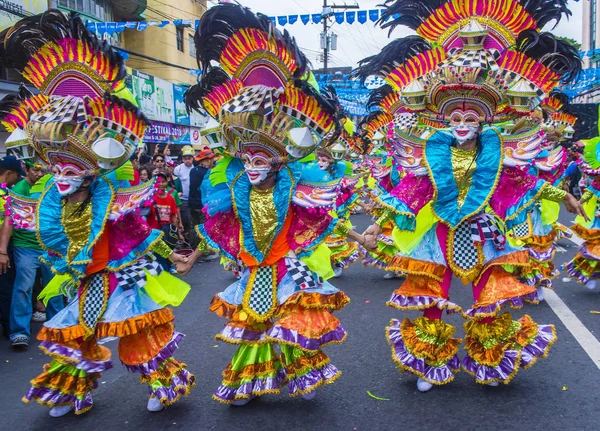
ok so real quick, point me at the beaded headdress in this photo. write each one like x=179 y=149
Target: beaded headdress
x=82 y=127
x=259 y=92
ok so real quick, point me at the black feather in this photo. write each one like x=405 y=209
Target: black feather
x=560 y=56
x=545 y=11
x=378 y=95
x=411 y=13
x=21 y=41
x=195 y=95
x=219 y=23
x=391 y=56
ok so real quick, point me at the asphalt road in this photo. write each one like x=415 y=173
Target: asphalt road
x=557 y=393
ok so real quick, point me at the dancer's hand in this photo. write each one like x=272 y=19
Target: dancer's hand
x=574 y=207
x=373 y=230
x=178 y=258
x=370 y=242
x=184 y=267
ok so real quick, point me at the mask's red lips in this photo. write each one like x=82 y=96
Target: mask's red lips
x=63 y=187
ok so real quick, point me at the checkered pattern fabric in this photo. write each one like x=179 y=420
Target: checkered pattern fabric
x=261 y=298
x=251 y=99
x=62 y=110
x=134 y=275
x=405 y=121
x=521 y=230
x=300 y=273
x=94 y=301
x=484 y=228
x=465 y=253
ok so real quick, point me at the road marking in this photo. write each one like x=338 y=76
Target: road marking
x=584 y=337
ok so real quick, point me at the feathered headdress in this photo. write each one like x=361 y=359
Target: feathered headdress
x=485 y=55
x=258 y=92
x=78 y=124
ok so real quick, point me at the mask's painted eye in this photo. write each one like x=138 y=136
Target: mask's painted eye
x=456 y=119
x=471 y=120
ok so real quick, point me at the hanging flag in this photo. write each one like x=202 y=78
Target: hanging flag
x=374 y=14
x=91 y=25
x=120 y=27
x=111 y=27
x=292 y=19
x=177 y=22
x=316 y=18
x=282 y=20
x=142 y=25
x=196 y=24
x=187 y=22
x=339 y=17
x=361 y=16
x=101 y=27
x=164 y=24
x=153 y=23
x=272 y=18
x=131 y=24
x=350 y=17
x=304 y=19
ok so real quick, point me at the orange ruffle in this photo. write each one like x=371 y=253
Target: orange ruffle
x=66 y=383
x=222 y=308
x=113 y=329
x=332 y=302
x=518 y=258
x=489 y=357
x=142 y=347
x=434 y=354
x=309 y=322
x=417 y=267
x=167 y=370
x=306 y=363
x=252 y=371
x=417 y=285
x=528 y=331
x=586 y=234
x=501 y=285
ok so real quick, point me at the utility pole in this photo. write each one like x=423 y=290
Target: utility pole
x=326 y=14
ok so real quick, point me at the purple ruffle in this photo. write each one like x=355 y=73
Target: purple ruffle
x=312 y=379
x=349 y=260
x=257 y=386
x=583 y=250
x=369 y=260
x=503 y=372
x=53 y=398
x=165 y=353
x=74 y=355
x=241 y=334
x=536 y=279
x=417 y=366
x=515 y=302
x=291 y=336
x=543 y=256
x=539 y=347
x=387 y=240
x=181 y=384
x=421 y=302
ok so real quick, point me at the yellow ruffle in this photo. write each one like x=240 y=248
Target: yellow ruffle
x=430 y=339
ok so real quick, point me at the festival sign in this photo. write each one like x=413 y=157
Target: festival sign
x=162 y=133
x=181 y=114
x=164 y=101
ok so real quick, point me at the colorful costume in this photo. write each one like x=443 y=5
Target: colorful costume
x=473 y=63
x=269 y=117
x=99 y=249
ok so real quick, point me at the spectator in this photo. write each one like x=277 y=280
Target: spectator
x=144 y=174
x=197 y=175
x=27 y=253
x=175 y=180
x=167 y=153
x=159 y=162
x=10 y=173
x=183 y=173
x=164 y=214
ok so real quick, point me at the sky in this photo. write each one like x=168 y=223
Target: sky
x=356 y=41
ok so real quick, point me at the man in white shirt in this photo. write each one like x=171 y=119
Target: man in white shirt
x=183 y=173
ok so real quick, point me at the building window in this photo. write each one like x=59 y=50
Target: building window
x=192 y=45
x=593 y=18
x=179 y=33
x=99 y=9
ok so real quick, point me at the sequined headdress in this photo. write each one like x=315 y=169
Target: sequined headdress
x=485 y=56
x=259 y=91
x=78 y=125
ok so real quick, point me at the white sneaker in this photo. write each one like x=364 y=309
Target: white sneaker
x=243 y=401
x=540 y=293
x=154 y=405
x=38 y=317
x=423 y=386
x=59 y=411
x=337 y=272
x=309 y=396
x=494 y=384
x=591 y=284
x=389 y=275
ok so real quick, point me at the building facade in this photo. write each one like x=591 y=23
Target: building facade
x=590 y=40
